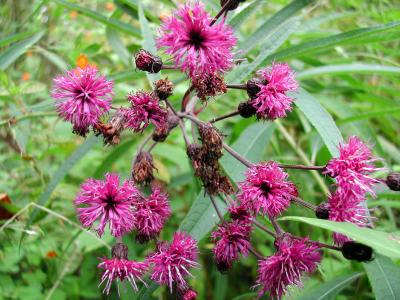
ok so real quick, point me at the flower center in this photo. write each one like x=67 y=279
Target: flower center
x=196 y=39
x=265 y=188
x=110 y=202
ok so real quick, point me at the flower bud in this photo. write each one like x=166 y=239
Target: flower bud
x=357 y=251
x=142 y=171
x=223 y=267
x=322 y=212
x=163 y=88
x=145 y=61
x=120 y=251
x=161 y=132
x=253 y=87
x=246 y=110
x=393 y=181
x=189 y=294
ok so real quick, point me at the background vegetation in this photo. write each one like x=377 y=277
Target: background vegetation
x=346 y=54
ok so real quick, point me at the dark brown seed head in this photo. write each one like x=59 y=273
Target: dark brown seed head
x=211 y=139
x=209 y=86
x=145 y=61
x=163 y=88
x=142 y=171
x=322 y=212
x=234 y=4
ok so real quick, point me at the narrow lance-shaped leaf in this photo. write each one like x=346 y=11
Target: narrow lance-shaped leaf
x=382 y=242
x=12 y=53
x=384 y=276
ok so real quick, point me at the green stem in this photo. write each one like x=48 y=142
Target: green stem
x=302 y=155
x=15 y=120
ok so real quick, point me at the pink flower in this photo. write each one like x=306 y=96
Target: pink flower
x=107 y=202
x=82 y=97
x=292 y=258
x=122 y=269
x=197 y=48
x=272 y=101
x=345 y=210
x=145 y=108
x=171 y=262
x=266 y=189
x=231 y=239
x=151 y=214
x=352 y=170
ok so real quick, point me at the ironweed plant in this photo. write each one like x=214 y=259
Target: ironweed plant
x=174 y=149
x=203 y=49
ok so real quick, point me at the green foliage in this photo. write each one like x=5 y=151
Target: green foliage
x=346 y=57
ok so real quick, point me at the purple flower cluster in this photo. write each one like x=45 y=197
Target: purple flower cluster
x=82 y=97
x=196 y=47
x=292 y=259
x=352 y=172
x=266 y=190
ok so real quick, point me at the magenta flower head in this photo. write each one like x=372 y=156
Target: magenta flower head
x=171 y=262
x=150 y=214
x=145 y=108
x=352 y=169
x=119 y=267
x=272 y=101
x=196 y=47
x=107 y=202
x=231 y=239
x=82 y=97
x=343 y=209
x=266 y=189
x=293 y=257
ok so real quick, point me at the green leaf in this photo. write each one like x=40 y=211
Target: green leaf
x=348 y=69
x=115 y=41
x=113 y=23
x=371 y=114
x=362 y=35
x=264 y=32
x=14 y=38
x=384 y=276
x=330 y=289
x=148 y=41
x=241 y=17
x=275 y=39
x=53 y=58
x=59 y=175
x=382 y=242
x=131 y=7
x=16 y=50
x=112 y=157
x=320 y=119
x=251 y=145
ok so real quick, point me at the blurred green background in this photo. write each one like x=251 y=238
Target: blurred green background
x=346 y=54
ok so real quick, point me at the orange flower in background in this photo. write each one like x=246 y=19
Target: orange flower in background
x=82 y=61
x=73 y=14
x=4 y=213
x=29 y=53
x=110 y=6
x=25 y=76
x=51 y=254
